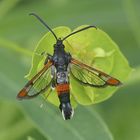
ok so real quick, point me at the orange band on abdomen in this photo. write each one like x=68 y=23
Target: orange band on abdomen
x=61 y=88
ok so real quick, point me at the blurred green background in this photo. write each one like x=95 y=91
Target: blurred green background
x=117 y=118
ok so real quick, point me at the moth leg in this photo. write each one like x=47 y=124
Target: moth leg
x=49 y=57
x=46 y=60
x=50 y=91
x=53 y=75
x=41 y=54
x=45 y=98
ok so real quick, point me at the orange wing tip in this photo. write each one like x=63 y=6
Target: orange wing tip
x=114 y=82
x=22 y=94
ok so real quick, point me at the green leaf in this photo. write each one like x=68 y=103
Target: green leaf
x=114 y=64
x=51 y=124
x=30 y=138
x=93 y=47
x=14 y=125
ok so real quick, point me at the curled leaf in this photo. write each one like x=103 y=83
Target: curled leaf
x=93 y=47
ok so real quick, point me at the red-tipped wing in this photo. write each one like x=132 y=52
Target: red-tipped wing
x=38 y=84
x=90 y=76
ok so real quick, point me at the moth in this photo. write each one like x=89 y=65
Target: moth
x=62 y=64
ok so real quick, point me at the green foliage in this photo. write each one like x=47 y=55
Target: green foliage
x=50 y=123
x=20 y=33
x=11 y=125
x=93 y=47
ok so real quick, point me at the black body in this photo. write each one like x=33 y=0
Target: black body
x=61 y=60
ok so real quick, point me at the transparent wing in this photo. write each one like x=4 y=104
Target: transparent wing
x=38 y=84
x=90 y=76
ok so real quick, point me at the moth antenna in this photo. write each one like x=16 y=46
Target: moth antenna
x=85 y=28
x=45 y=24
